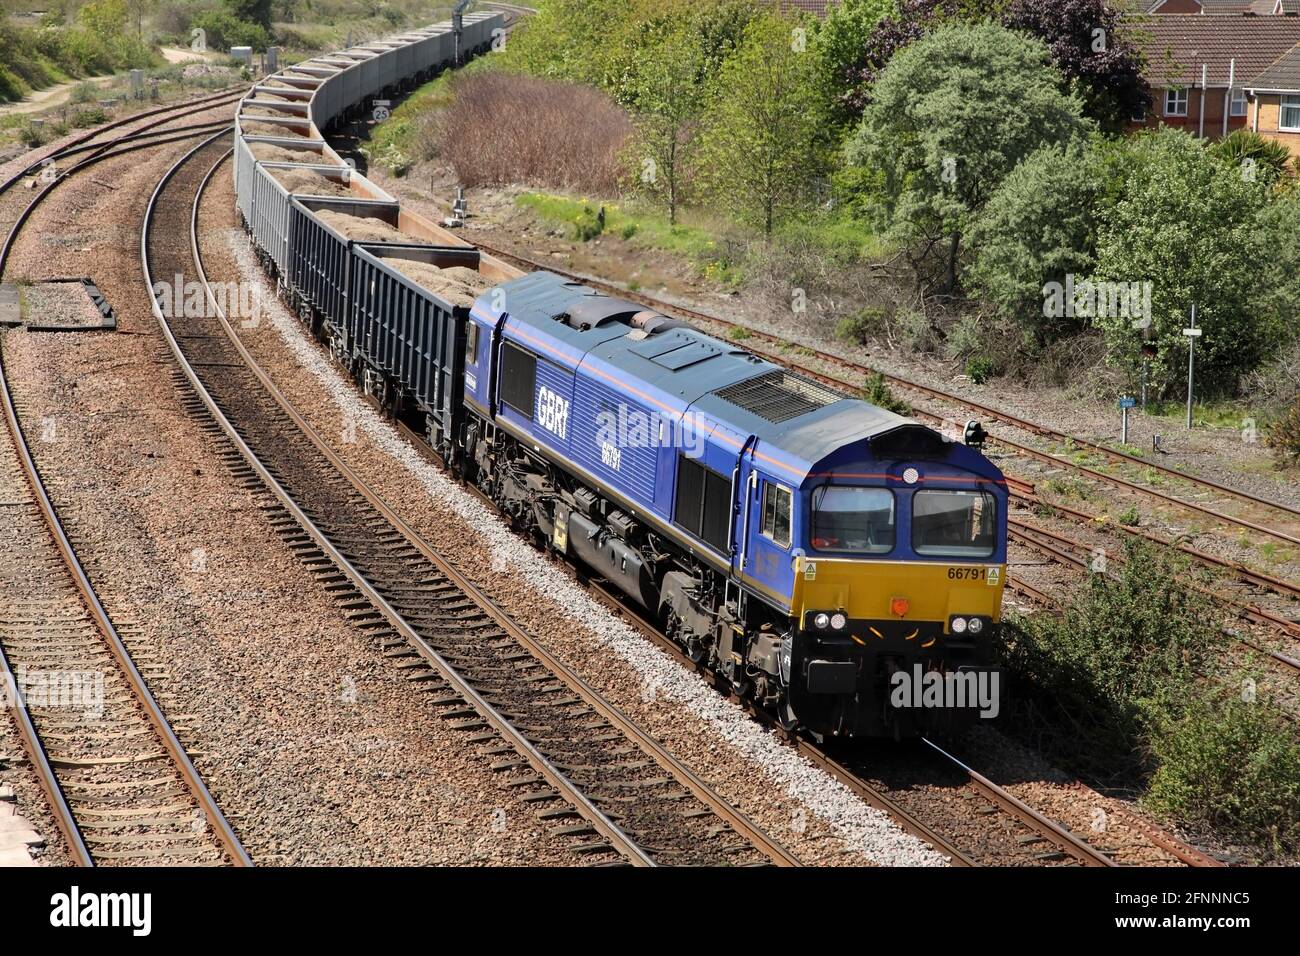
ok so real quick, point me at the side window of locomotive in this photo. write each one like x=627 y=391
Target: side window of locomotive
x=956 y=524
x=517 y=379
x=471 y=344
x=703 y=503
x=776 y=513
x=852 y=519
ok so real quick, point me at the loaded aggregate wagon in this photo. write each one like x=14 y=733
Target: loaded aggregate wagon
x=322 y=232
x=249 y=150
x=409 y=316
x=273 y=185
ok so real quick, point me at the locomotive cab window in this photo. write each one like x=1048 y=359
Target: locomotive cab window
x=703 y=503
x=776 y=513
x=471 y=344
x=852 y=519
x=957 y=524
x=518 y=379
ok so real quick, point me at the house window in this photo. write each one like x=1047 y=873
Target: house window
x=1175 y=102
x=1290 y=119
x=1139 y=115
x=1238 y=103
x=776 y=513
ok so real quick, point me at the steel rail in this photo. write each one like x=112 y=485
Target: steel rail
x=153 y=711
x=30 y=209
x=82 y=143
x=1079 y=849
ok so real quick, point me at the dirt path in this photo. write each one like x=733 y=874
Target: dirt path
x=53 y=96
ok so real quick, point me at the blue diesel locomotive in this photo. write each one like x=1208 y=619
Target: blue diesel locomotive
x=817 y=553
x=806 y=546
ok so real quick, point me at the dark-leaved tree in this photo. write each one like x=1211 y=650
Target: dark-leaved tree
x=1090 y=49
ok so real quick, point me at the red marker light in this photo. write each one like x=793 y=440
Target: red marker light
x=900 y=606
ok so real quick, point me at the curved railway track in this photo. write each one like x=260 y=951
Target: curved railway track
x=120 y=784
x=609 y=788
x=1285 y=587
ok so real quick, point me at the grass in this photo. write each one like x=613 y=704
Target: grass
x=1219 y=413
x=639 y=226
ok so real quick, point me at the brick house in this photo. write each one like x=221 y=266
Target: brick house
x=1261 y=8
x=1275 y=100
x=1200 y=66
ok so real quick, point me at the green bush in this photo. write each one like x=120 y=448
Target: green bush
x=980 y=369
x=854 y=329
x=1232 y=764
x=1127 y=650
x=876 y=391
x=223 y=31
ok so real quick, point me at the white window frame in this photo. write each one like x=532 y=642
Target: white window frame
x=1288 y=101
x=1139 y=115
x=1178 y=96
x=1235 y=101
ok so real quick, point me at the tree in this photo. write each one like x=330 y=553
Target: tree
x=104 y=18
x=1092 y=52
x=1277 y=277
x=251 y=11
x=1188 y=223
x=950 y=117
x=666 y=88
x=1037 y=228
x=764 y=143
x=842 y=40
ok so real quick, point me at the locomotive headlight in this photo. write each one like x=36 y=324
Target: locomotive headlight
x=959 y=625
x=839 y=621
x=976 y=625
x=822 y=621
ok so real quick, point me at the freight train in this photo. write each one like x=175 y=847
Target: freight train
x=818 y=554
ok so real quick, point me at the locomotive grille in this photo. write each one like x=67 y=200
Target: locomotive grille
x=778 y=396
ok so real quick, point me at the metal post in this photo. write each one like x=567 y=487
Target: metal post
x=1124 y=435
x=1192 y=334
x=1200 y=130
x=1146 y=367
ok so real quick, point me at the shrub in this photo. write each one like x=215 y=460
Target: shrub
x=1284 y=435
x=1233 y=764
x=876 y=391
x=854 y=329
x=503 y=128
x=1124 y=655
x=979 y=370
x=222 y=31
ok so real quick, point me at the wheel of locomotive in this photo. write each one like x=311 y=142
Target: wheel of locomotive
x=786 y=718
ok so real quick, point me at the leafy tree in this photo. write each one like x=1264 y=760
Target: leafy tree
x=1277 y=277
x=950 y=117
x=764 y=141
x=1187 y=222
x=1038 y=227
x=905 y=24
x=1092 y=52
x=843 y=37
x=251 y=11
x=104 y=18
x=668 y=98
